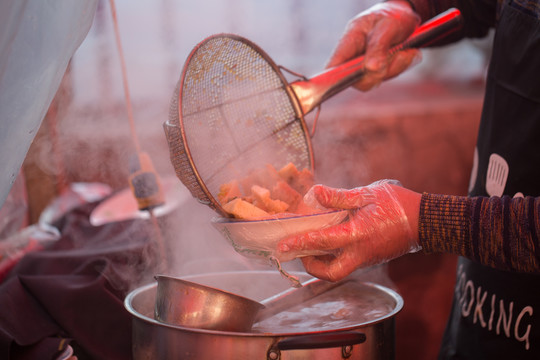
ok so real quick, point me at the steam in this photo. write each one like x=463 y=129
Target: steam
x=94 y=145
x=193 y=245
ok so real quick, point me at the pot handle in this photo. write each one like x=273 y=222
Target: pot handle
x=320 y=341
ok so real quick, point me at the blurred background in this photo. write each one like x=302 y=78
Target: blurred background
x=419 y=128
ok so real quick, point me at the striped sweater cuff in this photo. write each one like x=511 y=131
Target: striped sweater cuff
x=444 y=224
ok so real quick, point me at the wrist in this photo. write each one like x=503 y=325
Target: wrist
x=410 y=202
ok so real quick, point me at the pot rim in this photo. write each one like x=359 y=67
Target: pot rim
x=128 y=304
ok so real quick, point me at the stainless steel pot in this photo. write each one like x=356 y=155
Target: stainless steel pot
x=339 y=324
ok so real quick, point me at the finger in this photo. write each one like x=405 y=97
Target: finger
x=377 y=50
x=351 y=44
x=378 y=57
x=318 y=267
x=369 y=81
x=383 y=37
x=348 y=48
x=342 y=198
x=327 y=239
x=387 y=67
x=330 y=268
x=402 y=61
x=366 y=32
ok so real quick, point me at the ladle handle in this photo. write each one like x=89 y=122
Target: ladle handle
x=312 y=92
x=293 y=296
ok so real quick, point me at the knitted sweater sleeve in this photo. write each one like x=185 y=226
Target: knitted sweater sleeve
x=502 y=233
x=479 y=15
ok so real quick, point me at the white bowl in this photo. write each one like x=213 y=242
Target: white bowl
x=259 y=238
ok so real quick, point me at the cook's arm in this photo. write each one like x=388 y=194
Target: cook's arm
x=498 y=232
x=374 y=31
x=479 y=15
x=382 y=225
x=387 y=221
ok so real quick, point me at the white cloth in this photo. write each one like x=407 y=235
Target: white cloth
x=37 y=40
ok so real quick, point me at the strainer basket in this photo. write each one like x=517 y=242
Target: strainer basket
x=232 y=112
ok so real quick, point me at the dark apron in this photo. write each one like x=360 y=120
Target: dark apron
x=496 y=314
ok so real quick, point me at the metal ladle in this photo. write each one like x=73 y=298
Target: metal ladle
x=184 y=303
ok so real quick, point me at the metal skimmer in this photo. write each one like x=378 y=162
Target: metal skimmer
x=233 y=111
x=237 y=114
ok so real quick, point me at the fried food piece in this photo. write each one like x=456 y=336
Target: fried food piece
x=229 y=191
x=288 y=172
x=272 y=191
x=284 y=192
x=263 y=200
x=303 y=181
x=242 y=209
x=265 y=177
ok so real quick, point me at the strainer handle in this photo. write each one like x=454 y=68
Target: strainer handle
x=312 y=92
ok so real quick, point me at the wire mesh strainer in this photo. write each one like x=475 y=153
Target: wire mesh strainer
x=233 y=111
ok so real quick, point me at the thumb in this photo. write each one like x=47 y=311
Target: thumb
x=384 y=35
x=341 y=198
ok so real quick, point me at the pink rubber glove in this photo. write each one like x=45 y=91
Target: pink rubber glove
x=373 y=32
x=382 y=225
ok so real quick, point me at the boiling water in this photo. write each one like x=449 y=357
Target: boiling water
x=343 y=307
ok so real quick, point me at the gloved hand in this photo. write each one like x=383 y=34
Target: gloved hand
x=382 y=225
x=372 y=33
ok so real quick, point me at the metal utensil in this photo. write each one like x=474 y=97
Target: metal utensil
x=184 y=303
x=497 y=174
x=123 y=206
x=365 y=334
x=312 y=92
x=233 y=111
x=292 y=296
